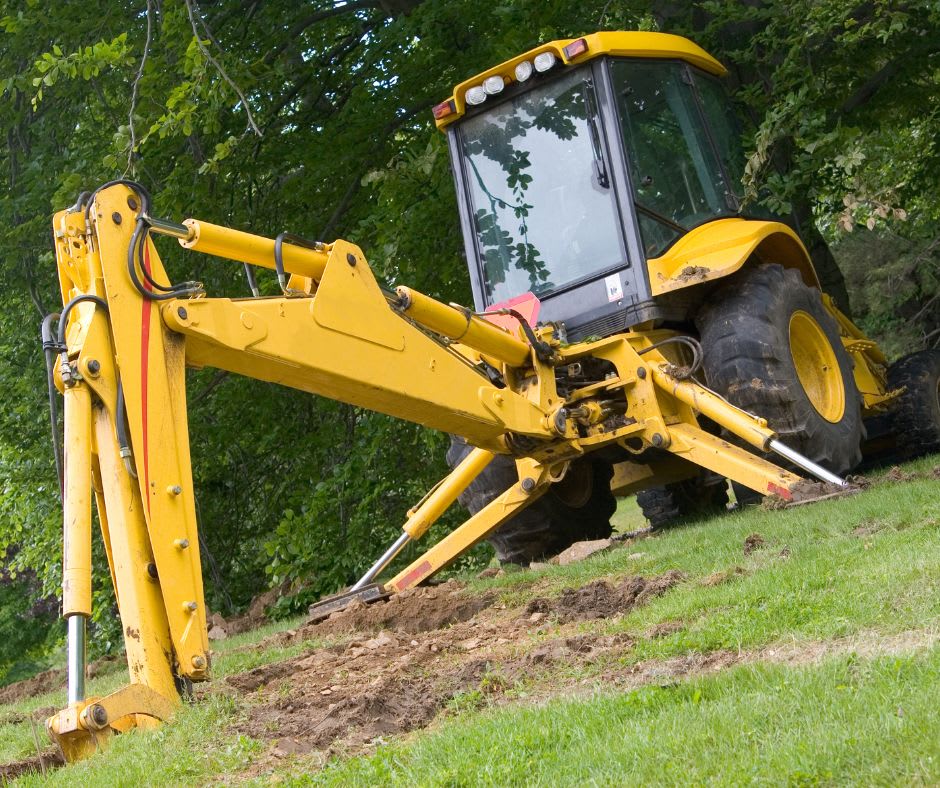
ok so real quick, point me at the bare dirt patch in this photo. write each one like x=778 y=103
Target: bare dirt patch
x=433 y=645
x=37 y=764
x=753 y=542
x=37 y=685
x=600 y=599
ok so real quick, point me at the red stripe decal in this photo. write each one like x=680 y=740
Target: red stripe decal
x=146 y=310
x=415 y=576
x=783 y=492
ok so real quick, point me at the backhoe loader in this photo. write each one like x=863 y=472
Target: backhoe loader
x=634 y=328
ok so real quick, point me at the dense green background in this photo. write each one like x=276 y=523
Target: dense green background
x=842 y=103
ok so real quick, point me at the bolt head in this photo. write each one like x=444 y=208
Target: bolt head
x=190 y=607
x=657 y=439
x=116 y=217
x=199 y=662
x=93 y=366
x=98 y=715
x=641 y=373
x=181 y=311
x=527 y=484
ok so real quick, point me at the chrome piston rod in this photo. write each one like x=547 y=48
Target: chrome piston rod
x=76 y=658
x=806 y=464
x=387 y=557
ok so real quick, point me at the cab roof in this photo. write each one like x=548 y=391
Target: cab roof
x=572 y=51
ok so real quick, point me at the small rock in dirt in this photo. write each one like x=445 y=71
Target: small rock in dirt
x=538 y=566
x=636 y=556
x=492 y=571
x=536 y=617
x=581 y=550
x=217 y=633
x=414 y=642
x=384 y=638
x=469 y=645
x=326 y=691
x=753 y=542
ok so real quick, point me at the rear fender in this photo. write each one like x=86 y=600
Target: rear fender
x=717 y=249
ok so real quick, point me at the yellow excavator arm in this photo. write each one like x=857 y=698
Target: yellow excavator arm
x=126 y=336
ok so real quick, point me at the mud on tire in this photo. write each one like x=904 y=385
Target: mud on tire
x=577 y=508
x=916 y=416
x=746 y=330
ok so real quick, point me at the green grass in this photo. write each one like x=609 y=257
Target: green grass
x=193 y=748
x=846 y=721
x=833 y=581
x=862 y=568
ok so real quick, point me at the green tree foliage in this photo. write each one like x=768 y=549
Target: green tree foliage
x=314 y=117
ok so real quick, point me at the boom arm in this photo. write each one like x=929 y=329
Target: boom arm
x=129 y=336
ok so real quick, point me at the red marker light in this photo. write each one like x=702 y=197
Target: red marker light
x=444 y=109
x=575 y=48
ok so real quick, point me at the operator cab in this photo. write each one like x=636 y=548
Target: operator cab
x=579 y=161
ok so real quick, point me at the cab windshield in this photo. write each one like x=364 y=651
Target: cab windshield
x=543 y=211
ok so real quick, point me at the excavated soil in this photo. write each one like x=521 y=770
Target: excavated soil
x=29 y=688
x=406 y=659
x=37 y=764
x=600 y=599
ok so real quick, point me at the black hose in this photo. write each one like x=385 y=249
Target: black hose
x=296 y=240
x=252 y=282
x=135 y=257
x=50 y=349
x=120 y=426
x=681 y=340
x=64 y=317
x=542 y=349
x=138 y=189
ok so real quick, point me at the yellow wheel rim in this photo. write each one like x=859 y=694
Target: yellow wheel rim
x=817 y=367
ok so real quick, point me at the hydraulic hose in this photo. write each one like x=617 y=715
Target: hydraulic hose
x=51 y=348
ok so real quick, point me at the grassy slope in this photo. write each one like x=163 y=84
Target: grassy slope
x=864 y=570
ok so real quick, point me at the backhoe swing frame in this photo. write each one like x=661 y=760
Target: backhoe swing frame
x=334 y=333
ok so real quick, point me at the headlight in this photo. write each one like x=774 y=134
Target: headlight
x=475 y=95
x=544 y=61
x=524 y=70
x=493 y=85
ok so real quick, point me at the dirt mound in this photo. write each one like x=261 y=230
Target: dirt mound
x=753 y=543
x=413 y=611
x=600 y=599
x=42 y=682
x=37 y=764
x=254 y=617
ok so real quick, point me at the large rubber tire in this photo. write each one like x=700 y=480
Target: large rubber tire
x=916 y=415
x=683 y=500
x=762 y=335
x=577 y=508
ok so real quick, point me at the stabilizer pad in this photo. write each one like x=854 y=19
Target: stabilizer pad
x=373 y=592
